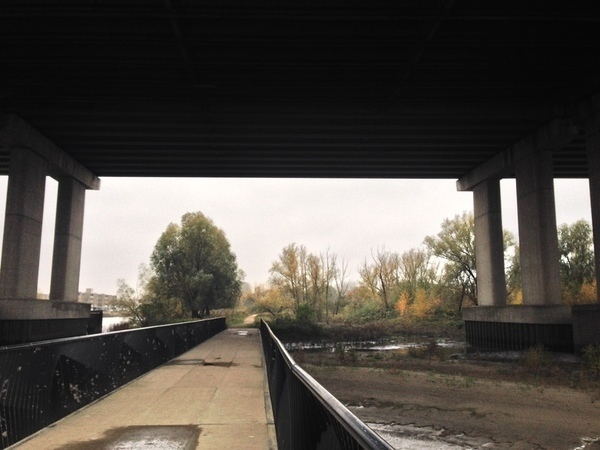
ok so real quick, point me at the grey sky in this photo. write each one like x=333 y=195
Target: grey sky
x=124 y=219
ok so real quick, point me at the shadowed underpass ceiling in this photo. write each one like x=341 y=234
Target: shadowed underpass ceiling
x=406 y=89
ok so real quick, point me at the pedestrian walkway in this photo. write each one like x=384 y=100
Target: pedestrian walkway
x=212 y=397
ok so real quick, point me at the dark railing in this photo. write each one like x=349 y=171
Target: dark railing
x=306 y=415
x=42 y=382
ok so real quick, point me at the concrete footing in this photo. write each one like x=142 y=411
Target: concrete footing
x=31 y=320
x=556 y=327
x=586 y=325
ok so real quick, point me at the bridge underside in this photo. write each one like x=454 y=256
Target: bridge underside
x=463 y=89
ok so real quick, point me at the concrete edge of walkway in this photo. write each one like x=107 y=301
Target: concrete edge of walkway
x=272 y=432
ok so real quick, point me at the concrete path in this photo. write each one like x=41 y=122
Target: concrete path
x=212 y=397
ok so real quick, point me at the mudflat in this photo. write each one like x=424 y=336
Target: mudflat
x=468 y=405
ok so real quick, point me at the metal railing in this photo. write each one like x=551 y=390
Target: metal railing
x=306 y=415
x=42 y=382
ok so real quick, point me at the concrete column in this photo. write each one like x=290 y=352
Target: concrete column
x=23 y=225
x=538 y=237
x=592 y=128
x=489 y=244
x=66 y=259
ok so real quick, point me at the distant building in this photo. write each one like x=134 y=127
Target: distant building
x=98 y=301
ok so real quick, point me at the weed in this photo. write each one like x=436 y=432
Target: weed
x=574 y=379
x=346 y=357
x=591 y=356
x=377 y=356
x=299 y=355
x=469 y=381
x=431 y=350
x=536 y=359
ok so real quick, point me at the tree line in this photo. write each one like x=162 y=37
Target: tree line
x=193 y=270
x=439 y=277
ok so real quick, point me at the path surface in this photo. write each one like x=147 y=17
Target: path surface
x=250 y=319
x=211 y=397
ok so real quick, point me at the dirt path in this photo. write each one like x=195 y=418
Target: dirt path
x=492 y=414
x=250 y=319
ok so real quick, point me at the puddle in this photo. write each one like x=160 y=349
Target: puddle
x=588 y=442
x=199 y=362
x=185 y=362
x=405 y=437
x=366 y=346
x=142 y=438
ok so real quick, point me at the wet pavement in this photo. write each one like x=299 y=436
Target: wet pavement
x=214 y=396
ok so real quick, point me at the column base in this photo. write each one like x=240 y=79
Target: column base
x=519 y=327
x=586 y=325
x=30 y=320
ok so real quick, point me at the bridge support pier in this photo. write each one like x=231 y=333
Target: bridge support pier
x=66 y=258
x=538 y=238
x=489 y=243
x=591 y=118
x=23 y=225
x=23 y=318
x=542 y=319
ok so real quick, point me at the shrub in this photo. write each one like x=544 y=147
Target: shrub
x=368 y=311
x=346 y=357
x=119 y=326
x=290 y=329
x=402 y=304
x=424 y=305
x=536 y=358
x=304 y=313
x=591 y=356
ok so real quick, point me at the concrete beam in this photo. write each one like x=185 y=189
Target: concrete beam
x=552 y=136
x=15 y=132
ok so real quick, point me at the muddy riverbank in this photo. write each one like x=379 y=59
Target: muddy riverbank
x=454 y=403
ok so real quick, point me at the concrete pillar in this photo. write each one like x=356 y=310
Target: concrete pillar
x=23 y=225
x=538 y=237
x=66 y=259
x=489 y=244
x=592 y=131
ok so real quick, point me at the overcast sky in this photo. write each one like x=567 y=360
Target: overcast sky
x=124 y=219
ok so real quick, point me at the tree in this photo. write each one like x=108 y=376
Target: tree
x=340 y=279
x=328 y=265
x=194 y=264
x=456 y=244
x=289 y=273
x=381 y=276
x=129 y=303
x=576 y=250
x=131 y=300
x=417 y=271
x=268 y=299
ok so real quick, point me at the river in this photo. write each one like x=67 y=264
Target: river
x=109 y=321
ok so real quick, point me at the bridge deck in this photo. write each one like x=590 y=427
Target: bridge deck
x=213 y=396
